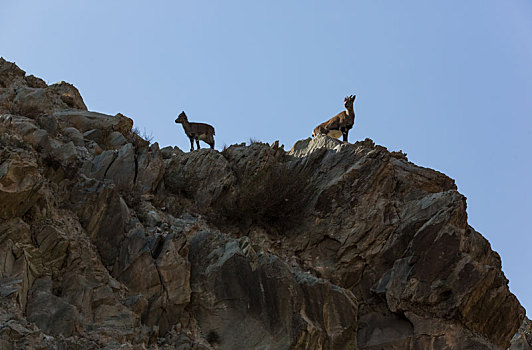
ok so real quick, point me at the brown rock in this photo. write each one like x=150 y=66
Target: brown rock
x=20 y=182
x=380 y=257
x=85 y=121
x=103 y=214
x=33 y=102
x=10 y=74
x=202 y=175
x=246 y=300
x=149 y=169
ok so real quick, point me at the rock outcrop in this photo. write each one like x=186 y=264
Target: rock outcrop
x=109 y=242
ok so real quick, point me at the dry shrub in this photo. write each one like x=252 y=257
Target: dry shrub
x=139 y=141
x=275 y=197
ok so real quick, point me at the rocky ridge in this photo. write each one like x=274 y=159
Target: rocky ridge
x=107 y=241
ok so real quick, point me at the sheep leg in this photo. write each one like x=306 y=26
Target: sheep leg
x=197 y=143
x=345 y=132
x=191 y=144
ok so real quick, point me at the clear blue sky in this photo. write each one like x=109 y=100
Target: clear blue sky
x=448 y=82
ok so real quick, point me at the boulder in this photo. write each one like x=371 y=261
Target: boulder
x=73 y=135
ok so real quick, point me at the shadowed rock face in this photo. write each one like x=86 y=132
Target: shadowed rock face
x=108 y=241
x=249 y=299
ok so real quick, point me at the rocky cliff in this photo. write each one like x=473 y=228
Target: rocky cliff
x=109 y=242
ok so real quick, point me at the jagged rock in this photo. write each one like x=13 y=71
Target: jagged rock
x=164 y=267
x=118 y=166
x=308 y=146
x=116 y=140
x=85 y=121
x=202 y=175
x=103 y=214
x=128 y=169
x=98 y=166
x=17 y=268
x=522 y=340
x=148 y=215
x=52 y=314
x=31 y=97
x=34 y=82
x=248 y=300
x=29 y=131
x=36 y=101
x=426 y=262
x=10 y=74
x=149 y=169
x=95 y=135
x=174 y=272
x=48 y=123
x=122 y=170
x=168 y=152
x=20 y=182
x=65 y=153
x=53 y=246
x=248 y=160
x=389 y=260
x=135 y=260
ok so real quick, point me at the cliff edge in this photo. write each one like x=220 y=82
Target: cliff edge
x=108 y=241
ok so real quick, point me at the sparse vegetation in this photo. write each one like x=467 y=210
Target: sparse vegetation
x=253 y=140
x=138 y=141
x=274 y=196
x=144 y=134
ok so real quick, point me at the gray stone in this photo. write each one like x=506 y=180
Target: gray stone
x=95 y=135
x=122 y=169
x=149 y=169
x=116 y=140
x=73 y=134
x=202 y=175
x=51 y=314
